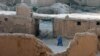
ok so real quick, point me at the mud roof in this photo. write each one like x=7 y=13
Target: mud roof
x=58 y=16
x=72 y=16
x=84 y=16
x=7 y=12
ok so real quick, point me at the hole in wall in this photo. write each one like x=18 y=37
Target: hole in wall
x=78 y=23
x=97 y=23
x=0 y=22
x=6 y=19
x=98 y=37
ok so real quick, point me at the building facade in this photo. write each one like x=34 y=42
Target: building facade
x=22 y=22
x=69 y=26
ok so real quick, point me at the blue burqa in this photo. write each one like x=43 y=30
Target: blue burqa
x=59 y=41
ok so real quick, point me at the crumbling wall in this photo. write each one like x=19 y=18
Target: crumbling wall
x=17 y=44
x=84 y=44
x=23 y=10
x=97 y=31
x=16 y=24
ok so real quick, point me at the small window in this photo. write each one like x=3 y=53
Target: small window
x=98 y=23
x=0 y=22
x=78 y=23
x=6 y=19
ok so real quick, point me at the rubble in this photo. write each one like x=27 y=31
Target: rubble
x=57 y=8
x=3 y=6
x=45 y=10
x=60 y=8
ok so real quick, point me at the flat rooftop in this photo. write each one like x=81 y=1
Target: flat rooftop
x=72 y=16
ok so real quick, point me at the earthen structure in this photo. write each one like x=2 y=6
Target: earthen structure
x=22 y=22
x=17 y=44
x=83 y=44
x=70 y=25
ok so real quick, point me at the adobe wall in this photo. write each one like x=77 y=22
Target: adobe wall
x=83 y=44
x=67 y=28
x=17 y=44
x=97 y=31
x=23 y=10
x=16 y=24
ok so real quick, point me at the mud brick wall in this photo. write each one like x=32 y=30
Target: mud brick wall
x=17 y=44
x=67 y=27
x=16 y=24
x=83 y=44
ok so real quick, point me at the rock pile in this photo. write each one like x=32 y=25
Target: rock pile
x=45 y=10
x=57 y=8
x=3 y=6
x=60 y=8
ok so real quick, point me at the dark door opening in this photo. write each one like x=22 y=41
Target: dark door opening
x=99 y=42
x=37 y=32
x=98 y=37
x=46 y=28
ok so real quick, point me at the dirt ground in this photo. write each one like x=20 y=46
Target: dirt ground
x=52 y=44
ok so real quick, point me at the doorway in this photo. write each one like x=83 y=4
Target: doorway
x=46 y=28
